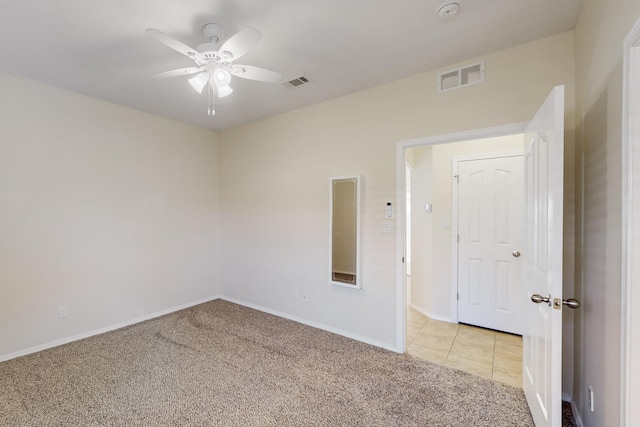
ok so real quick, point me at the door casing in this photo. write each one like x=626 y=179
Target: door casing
x=401 y=147
x=630 y=345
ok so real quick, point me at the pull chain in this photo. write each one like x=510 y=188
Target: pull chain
x=212 y=100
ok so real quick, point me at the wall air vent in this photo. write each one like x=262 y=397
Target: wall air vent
x=461 y=77
x=297 y=82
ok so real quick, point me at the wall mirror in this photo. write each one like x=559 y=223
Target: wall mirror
x=345 y=232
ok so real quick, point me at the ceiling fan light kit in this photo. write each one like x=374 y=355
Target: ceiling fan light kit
x=224 y=91
x=214 y=63
x=199 y=82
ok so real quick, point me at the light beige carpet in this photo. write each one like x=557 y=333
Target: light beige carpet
x=220 y=364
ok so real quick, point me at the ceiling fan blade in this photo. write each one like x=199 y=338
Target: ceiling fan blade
x=179 y=72
x=173 y=43
x=241 y=42
x=255 y=73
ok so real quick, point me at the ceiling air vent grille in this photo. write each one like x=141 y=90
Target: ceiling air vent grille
x=461 y=77
x=297 y=82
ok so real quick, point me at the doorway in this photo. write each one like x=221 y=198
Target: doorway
x=433 y=332
x=433 y=233
x=544 y=194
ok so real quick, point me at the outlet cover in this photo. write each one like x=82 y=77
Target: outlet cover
x=62 y=312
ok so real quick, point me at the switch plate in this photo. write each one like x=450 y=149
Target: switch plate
x=389 y=211
x=387 y=227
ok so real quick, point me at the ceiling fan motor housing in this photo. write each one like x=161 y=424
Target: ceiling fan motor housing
x=213 y=32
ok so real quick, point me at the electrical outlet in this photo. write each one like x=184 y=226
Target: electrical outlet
x=62 y=312
x=592 y=404
x=305 y=297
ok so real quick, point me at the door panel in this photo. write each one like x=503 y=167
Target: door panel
x=542 y=338
x=490 y=227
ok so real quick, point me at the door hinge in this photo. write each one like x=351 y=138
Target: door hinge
x=458 y=296
x=458 y=238
x=403 y=260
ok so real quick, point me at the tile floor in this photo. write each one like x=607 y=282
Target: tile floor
x=479 y=351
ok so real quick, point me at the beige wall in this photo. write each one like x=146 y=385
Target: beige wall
x=114 y=213
x=110 y=212
x=274 y=176
x=424 y=292
x=432 y=251
x=598 y=37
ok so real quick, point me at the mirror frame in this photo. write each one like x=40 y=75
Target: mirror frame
x=358 y=269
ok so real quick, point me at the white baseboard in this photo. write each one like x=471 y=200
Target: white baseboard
x=431 y=315
x=574 y=409
x=576 y=414
x=331 y=329
x=109 y=328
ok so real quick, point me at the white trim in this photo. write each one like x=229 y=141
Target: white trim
x=455 y=231
x=630 y=366
x=94 y=332
x=110 y=328
x=407 y=215
x=574 y=409
x=431 y=315
x=401 y=147
x=489 y=155
x=576 y=414
x=312 y=324
x=401 y=230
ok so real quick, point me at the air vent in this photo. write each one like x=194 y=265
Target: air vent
x=297 y=82
x=461 y=77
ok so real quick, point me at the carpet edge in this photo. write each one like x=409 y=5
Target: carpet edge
x=83 y=335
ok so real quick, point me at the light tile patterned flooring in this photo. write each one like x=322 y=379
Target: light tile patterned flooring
x=479 y=351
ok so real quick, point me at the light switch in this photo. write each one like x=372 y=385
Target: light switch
x=445 y=224
x=428 y=207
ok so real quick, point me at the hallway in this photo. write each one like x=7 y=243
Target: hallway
x=484 y=352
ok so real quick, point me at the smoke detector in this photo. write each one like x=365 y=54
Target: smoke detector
x=447 y=10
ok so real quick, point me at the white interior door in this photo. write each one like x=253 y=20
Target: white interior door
x=542 y=338
x=490 y=238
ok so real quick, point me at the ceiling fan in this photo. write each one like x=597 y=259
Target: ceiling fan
x=214 y=62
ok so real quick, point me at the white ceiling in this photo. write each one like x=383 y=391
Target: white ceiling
x=99 y=47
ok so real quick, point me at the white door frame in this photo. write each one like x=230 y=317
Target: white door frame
x=401 y=148
x=630 y=363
